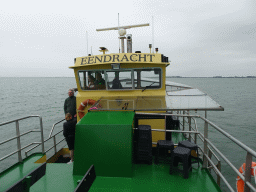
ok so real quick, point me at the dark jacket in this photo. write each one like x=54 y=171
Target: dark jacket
x=116 y=84
x=70 y=105
x=69 y=128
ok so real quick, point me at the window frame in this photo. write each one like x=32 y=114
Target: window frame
x=132 y=70
x=90 y=70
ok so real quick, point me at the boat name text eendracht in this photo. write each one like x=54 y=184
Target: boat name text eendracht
x=118 y=58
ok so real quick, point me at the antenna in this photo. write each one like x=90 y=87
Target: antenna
x=123 y=27
x=122 y=31
x=87 y=41
x=118 y=30
x=153 y=33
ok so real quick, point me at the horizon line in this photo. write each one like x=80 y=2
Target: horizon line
x=248 y=76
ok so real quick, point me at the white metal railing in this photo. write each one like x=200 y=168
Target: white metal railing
x=203 y=137
x=54 y=127
x=18 y=135
x=206 y=159
x=54 y=143
x=42 y=143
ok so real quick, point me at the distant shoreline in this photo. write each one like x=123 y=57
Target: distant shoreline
x=210 y=77
x=166 y=77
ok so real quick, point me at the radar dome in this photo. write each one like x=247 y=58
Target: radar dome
x=122 y=32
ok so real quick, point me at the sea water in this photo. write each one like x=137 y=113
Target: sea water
x=27 y=96
x=21 y=97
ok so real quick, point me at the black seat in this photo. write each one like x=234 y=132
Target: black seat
x=181 y=154
x=191 y=146
x=163 y=144
x=144 y=144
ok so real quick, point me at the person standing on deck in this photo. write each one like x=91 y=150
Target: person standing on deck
x=69 y=128
x=70 y=104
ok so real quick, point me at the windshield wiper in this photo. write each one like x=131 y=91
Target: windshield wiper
x=148 y=86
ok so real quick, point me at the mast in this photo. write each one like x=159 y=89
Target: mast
x=118 y=30
x=153 y=33
x=87 y=41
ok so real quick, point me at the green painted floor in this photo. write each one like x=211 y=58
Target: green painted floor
x=177 y=137
x=58 y=177
x=146 y=178
x=17 y=172
x=157 y=178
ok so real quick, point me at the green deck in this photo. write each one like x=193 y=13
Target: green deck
x=146 y=178
x=18 y=171
x=157 y=178
x=59 y=177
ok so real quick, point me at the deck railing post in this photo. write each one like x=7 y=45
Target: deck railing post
x=218 y=176
x=42 y=134
x=205 y=142
x=54 y=143
x=210 y=156
x=165 y=124
x=248 y=171
x=183 y=121
x=189 y=127
x=18 y=140
x=195 y=138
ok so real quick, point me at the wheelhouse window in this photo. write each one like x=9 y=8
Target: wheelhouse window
x=120 y=79
x=147 y=78
x=92 y=80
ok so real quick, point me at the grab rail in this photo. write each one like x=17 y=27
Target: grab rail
x=250 y=152
x=18 y=135
x=54 y=127
x=203 y=137
x=54 y=143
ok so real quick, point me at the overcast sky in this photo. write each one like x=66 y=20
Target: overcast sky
x=201 y=37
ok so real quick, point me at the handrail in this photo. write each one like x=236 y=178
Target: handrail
x=219 y=173
x=54 y=127
x=248 y=149
x=15 y=137
x=18 y=135
x=20 y=119
x=201 y=137
x=215 y=148
x=234 y=140
x=215 y=168
x=33 y=143
x=38 y=144
x=194 y=131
